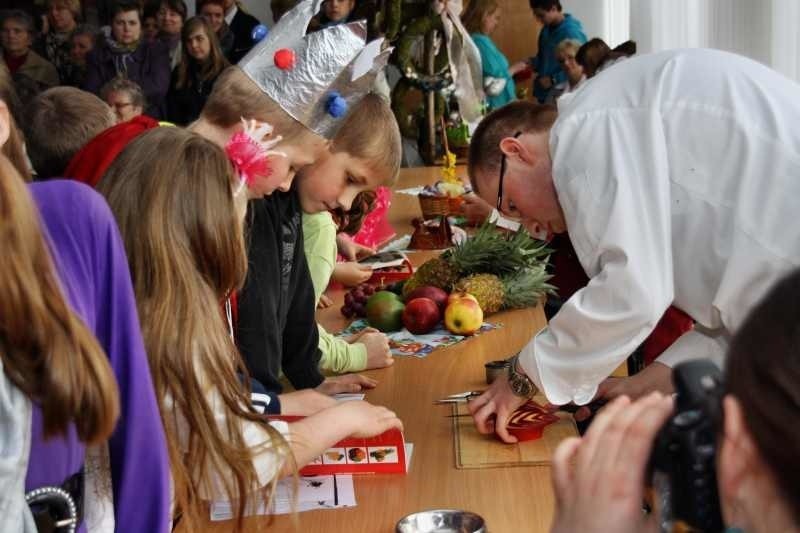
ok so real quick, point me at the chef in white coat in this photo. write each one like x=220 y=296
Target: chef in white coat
x=677 y=175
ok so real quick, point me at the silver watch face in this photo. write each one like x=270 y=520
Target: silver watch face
x=520 y=386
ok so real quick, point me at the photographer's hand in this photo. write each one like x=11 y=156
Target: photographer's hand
x=599 y=479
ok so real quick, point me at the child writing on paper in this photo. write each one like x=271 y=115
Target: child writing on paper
x=370 y=349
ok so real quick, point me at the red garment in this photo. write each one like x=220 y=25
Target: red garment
x=14 y=63
x=569 y=277
x=92 y=161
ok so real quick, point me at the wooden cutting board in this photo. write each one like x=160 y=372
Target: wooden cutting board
x=474 y=450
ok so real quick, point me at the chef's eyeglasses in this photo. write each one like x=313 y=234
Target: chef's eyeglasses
x=502 y=177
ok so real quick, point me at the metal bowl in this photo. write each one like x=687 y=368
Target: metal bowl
x=441 y=521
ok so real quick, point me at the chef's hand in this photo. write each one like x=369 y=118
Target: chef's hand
x=346 y=383
x=492 y=409
x=304 y=402
x=599 y=479
x=655 y=377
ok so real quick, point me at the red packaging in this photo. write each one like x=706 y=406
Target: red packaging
x=382 y=454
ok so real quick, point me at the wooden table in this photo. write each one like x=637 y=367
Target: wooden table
x=510 y=499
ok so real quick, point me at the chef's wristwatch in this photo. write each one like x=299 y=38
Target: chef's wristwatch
x=521 y=385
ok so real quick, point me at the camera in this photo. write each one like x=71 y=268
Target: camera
x=683 y=462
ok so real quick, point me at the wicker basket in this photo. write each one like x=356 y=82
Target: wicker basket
x=435 y=206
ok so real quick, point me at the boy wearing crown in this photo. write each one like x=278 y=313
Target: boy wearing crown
x=303 y=85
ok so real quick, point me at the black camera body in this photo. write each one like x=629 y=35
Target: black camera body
x=683 y=462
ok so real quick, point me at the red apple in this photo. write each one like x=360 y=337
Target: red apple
x=421 y=315
x=434 y=293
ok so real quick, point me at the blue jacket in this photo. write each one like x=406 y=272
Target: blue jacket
x=545 y=62
x=495 y=65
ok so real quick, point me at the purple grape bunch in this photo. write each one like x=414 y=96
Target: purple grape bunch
x=355 y=301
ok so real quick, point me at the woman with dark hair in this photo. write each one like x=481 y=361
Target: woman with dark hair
x=202 y=62
x=599 y=479
x=595 y=55
x=171 y=16
x=125 y=54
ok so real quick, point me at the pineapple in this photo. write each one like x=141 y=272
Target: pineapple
x=486 y=288
x=519 y=289
x=493 y=252
x=526 y=287
x=434 y=273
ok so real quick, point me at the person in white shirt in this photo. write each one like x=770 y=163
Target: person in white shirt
x=678 y=177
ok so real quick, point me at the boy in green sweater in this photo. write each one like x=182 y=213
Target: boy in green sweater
x=368 y=349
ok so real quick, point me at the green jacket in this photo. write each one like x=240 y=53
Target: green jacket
x=319 y=234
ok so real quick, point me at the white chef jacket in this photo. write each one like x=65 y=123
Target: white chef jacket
x=679 y=177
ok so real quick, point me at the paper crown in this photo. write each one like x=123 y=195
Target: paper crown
x=317 y=77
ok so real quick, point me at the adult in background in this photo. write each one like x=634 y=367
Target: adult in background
x=194 y=77
x=241 y=24
x=565 y=55
x=125 y=54
x=150 y=22
x=124 y=97
x=481 y=19
x=62 y=19
x=214 y=13
x=82 y=41
x=556 y=27
x=31 y=72
x=673 y=191
x=170 y=16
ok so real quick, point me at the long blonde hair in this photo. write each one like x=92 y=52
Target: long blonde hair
x=47 y=352
x=186 y=250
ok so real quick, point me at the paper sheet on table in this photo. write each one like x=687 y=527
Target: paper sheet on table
x=348 y=396
x=384 y=260
x=313 y=493
x=412 y=191
x=404 y=342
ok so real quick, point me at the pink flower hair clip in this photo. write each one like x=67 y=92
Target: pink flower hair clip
x=249 y=153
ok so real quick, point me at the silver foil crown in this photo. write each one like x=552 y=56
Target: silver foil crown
x=328 y=62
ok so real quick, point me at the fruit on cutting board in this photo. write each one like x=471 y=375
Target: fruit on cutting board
x=434 y=293
x=421 y=315
x=463 y=315
x=385 y=311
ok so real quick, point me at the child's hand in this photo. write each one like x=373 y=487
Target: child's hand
x=350 y=249
x=304 y=402
x=324 y=301
x=346 y=383
x=351 y=274
x=378 y=354
x=367 y=420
